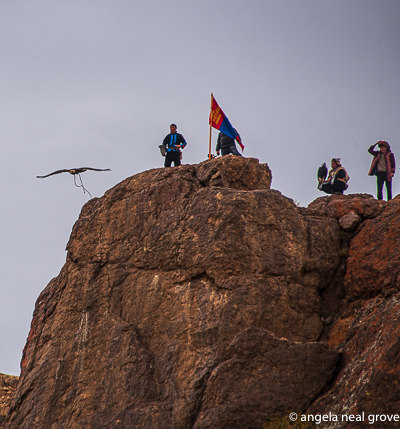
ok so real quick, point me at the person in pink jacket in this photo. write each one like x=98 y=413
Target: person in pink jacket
x=383 y=167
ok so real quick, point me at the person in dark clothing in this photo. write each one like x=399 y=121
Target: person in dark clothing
x=226 y=145
x=174 y=142
x=383 y=167
x=337 y=179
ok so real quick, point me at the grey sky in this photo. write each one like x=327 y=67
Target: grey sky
x=97 y=83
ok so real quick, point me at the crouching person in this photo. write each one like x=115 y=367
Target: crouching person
x=336 y=183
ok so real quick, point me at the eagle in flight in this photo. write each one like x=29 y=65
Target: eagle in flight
x=74 y=172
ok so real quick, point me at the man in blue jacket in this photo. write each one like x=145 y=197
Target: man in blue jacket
x=174 y=142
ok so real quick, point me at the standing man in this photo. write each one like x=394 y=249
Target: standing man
x=383 y=167
x=173 y=142
x=227 y=144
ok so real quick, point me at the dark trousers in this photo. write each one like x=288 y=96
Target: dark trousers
x=336 y=188
x=231 y=149
x=172 y=157
x=380 y=179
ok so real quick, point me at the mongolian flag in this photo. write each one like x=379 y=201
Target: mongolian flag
x=219 y=121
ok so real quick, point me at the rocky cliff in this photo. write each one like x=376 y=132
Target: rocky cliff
x=8 y=384
x=197 y=297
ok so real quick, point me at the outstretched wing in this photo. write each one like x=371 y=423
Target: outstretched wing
x=94 y=169
x=54 y=172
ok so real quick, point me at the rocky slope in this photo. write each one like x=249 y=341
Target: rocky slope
x=8 y=384
x=197 y=297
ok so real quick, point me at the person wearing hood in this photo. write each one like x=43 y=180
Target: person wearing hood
x=383 y=167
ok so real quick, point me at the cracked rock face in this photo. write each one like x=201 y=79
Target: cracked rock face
x=367 y=378
x=260 y=375
x=180 y=284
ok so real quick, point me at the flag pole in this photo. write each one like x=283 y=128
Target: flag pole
x=209 y=140
x=209 y=144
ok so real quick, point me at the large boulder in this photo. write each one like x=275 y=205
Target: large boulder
x=364 y=205
x=171 y=278
x=373 y=265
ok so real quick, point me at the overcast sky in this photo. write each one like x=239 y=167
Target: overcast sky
x=97 y=83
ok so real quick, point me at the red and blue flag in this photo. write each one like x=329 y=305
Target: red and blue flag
x=219 y=121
